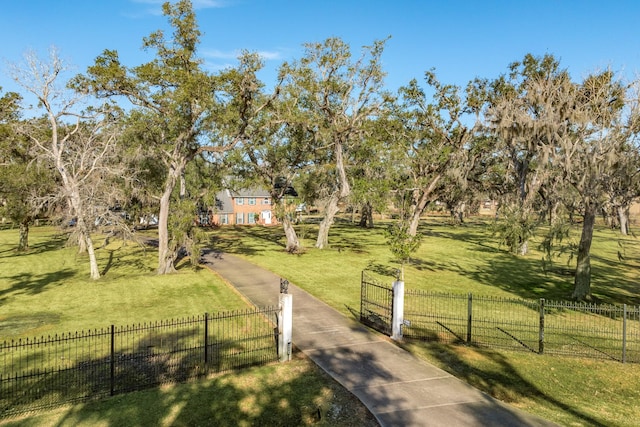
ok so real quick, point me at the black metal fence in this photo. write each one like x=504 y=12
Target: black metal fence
x=601 y=331
x=376 y=304
x=46 y=372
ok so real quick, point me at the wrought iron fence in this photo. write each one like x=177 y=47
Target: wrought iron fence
x=46 y=372
x=602 y=331
x=376 y=302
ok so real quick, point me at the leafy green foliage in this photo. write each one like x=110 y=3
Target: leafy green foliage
x=184 y=109
x=183 y=231
x=402 y=243
x=514 y=229
x=24 y=179
x=557 y=243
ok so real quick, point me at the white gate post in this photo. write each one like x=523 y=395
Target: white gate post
x=285 y=323
x=397 y=314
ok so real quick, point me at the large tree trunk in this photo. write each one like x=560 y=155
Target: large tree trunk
x=293 y=244
x=166 y=255
x=93 y=262
x=457 y=213
x=332 y=205
x=623 y=216
x=87 y=244
x=421 y=198
x=523 y=249
x=366 y=218
x=330 y=212
x=416 y=213
x=582 y=282
x=23 y=242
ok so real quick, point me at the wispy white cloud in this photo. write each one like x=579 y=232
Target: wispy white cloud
x=208 y=4
x=219 y=54
x=270 y=55
x=156 y=8
x=234 y=54
x=218 y=60
x=215 y=67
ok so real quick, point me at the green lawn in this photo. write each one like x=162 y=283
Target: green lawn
x=459 y=259
x=464 y=259
x=47 y=290
x=294 y=394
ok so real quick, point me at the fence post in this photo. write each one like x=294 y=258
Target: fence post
x=397 y=310
x=469 y=316
x=113 y=362
x=206 y=339
x=541 y=331
x=624 y=333
x=362 y=296
x=285 y=322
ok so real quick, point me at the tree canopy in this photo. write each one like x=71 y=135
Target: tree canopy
x=159 y=138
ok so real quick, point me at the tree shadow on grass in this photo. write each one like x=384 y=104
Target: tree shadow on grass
x=221 y=401
x=54 y=242
x=529 y=278
x=32 y=284
x=503 y=383
x=245 y=240
x=347 y=236
x=610 y=285
x=522 y=277
x=289 y=394
x=119 y=257
x=29 y=284
x=389 y=273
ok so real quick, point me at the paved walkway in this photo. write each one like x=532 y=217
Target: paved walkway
x=398 y=388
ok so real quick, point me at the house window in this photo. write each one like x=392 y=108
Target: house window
x=224 y=219
x=266 y=201
x=239 y=218
x=240 y=201
x=251 y=218
x=252 y=200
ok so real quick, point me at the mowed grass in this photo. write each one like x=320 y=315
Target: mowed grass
x=458 y=259
x=293 y=394
x=573 y=392
x=463 y=259
x=47 y=291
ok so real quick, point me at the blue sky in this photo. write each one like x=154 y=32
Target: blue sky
x=461 y=39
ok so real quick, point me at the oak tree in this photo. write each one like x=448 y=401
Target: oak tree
x=79 y=144
x=336 y=96
x=188 y=110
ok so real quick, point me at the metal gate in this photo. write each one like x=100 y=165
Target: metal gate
x=376 y=304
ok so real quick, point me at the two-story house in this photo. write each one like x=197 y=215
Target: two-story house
x=251 y=206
